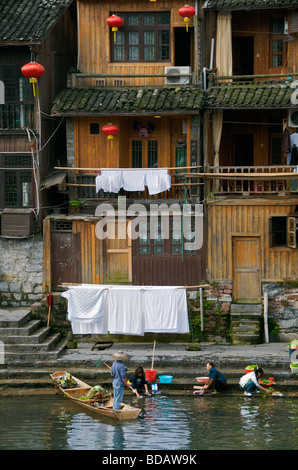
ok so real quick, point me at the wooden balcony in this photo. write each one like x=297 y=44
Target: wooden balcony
x=181 y=182
x=252 y=181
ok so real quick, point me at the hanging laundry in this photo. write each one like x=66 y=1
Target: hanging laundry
x=158 y=181
x=125 y=313
x=109 y=181
x=133 y=180
x=86 y=309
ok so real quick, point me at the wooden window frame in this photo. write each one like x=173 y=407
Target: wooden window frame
x=123 y=34
x=275 y=36
x=163 y=246
x=22 y=172
x=291 y=232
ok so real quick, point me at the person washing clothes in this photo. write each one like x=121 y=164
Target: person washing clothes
x=216 y=380
x=138 y=381
x=118 y=372
x=250 y=384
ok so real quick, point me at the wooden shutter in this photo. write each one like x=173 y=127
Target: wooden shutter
x=292 y=232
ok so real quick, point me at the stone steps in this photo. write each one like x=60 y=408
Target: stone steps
x=246 y=323
x=26 y=340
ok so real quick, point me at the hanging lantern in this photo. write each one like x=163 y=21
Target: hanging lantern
x=187 y=12
x=33 y=71
x=115 y=22
x=110 y=131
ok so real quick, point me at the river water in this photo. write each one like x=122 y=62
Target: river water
x=165 y=423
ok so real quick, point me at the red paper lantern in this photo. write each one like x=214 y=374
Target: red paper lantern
x=110 y=131
x=33 y=71
x=115 y=22
x=187 y=12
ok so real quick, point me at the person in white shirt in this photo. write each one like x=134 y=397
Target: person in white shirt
x=249 y=382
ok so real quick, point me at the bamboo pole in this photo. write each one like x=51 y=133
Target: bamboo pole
x=125 y=169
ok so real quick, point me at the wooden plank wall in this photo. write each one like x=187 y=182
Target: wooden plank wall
x=244 y=218
x=94 y=151
x=255 y=24
x=94 y=38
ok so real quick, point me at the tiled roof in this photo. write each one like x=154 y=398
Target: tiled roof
x=248 y=4
x=27 y=20
x=249 y=96
x=129 y=100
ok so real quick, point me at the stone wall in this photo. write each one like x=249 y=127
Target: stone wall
x=21 y=271
x=283 y=308
x=217 y=301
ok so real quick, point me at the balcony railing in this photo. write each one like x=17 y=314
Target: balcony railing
x=16 y=115
x=256 y=180
x=181 y=181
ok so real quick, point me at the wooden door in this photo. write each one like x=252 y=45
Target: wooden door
x=246 y=269
x=65 y=254
x=118 y=256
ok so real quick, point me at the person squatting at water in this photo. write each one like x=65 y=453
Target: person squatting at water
x=250 y=384
x=118 y=372
x=217 y=380
x=138 y=381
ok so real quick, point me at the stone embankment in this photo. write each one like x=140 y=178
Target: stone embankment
x=30 y=353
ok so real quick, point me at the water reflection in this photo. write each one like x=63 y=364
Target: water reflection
x=165 y=423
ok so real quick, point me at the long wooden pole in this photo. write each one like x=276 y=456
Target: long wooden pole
x=125 y=169
x=153 y=355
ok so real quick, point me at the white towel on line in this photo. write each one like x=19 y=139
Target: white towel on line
x=158 y=181
x=85 y=304
x=109 y=181
x=124 y=308
x=133 y=180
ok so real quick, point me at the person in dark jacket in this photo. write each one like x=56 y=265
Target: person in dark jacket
x=138 y=381
x=216 y=380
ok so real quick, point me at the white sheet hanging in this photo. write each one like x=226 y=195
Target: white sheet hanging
x=158 y=181
x=109 y=181
x=86 y=309
x=125 y=311
x=133 y=180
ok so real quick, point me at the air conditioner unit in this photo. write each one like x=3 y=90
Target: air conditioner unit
x=177 y=71
x=293 y=118
x=17 y=223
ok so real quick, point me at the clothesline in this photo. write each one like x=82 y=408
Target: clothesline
x=73 y=284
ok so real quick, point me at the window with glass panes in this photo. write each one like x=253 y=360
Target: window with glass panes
x=278 y=44
x=144 y=37
x=154 y=238
x=16 y=181
x=147 y=148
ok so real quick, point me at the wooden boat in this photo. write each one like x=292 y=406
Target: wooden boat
x=103 y=409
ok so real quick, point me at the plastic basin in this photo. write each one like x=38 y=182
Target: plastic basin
x=202 y=380
x=165 y=379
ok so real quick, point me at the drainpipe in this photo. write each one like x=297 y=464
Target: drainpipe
x=266 y=331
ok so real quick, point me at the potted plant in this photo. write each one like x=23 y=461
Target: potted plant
x=76 y=205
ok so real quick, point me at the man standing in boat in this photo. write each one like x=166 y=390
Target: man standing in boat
x=119 y=378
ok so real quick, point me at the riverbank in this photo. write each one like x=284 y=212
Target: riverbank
x=88 y=363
